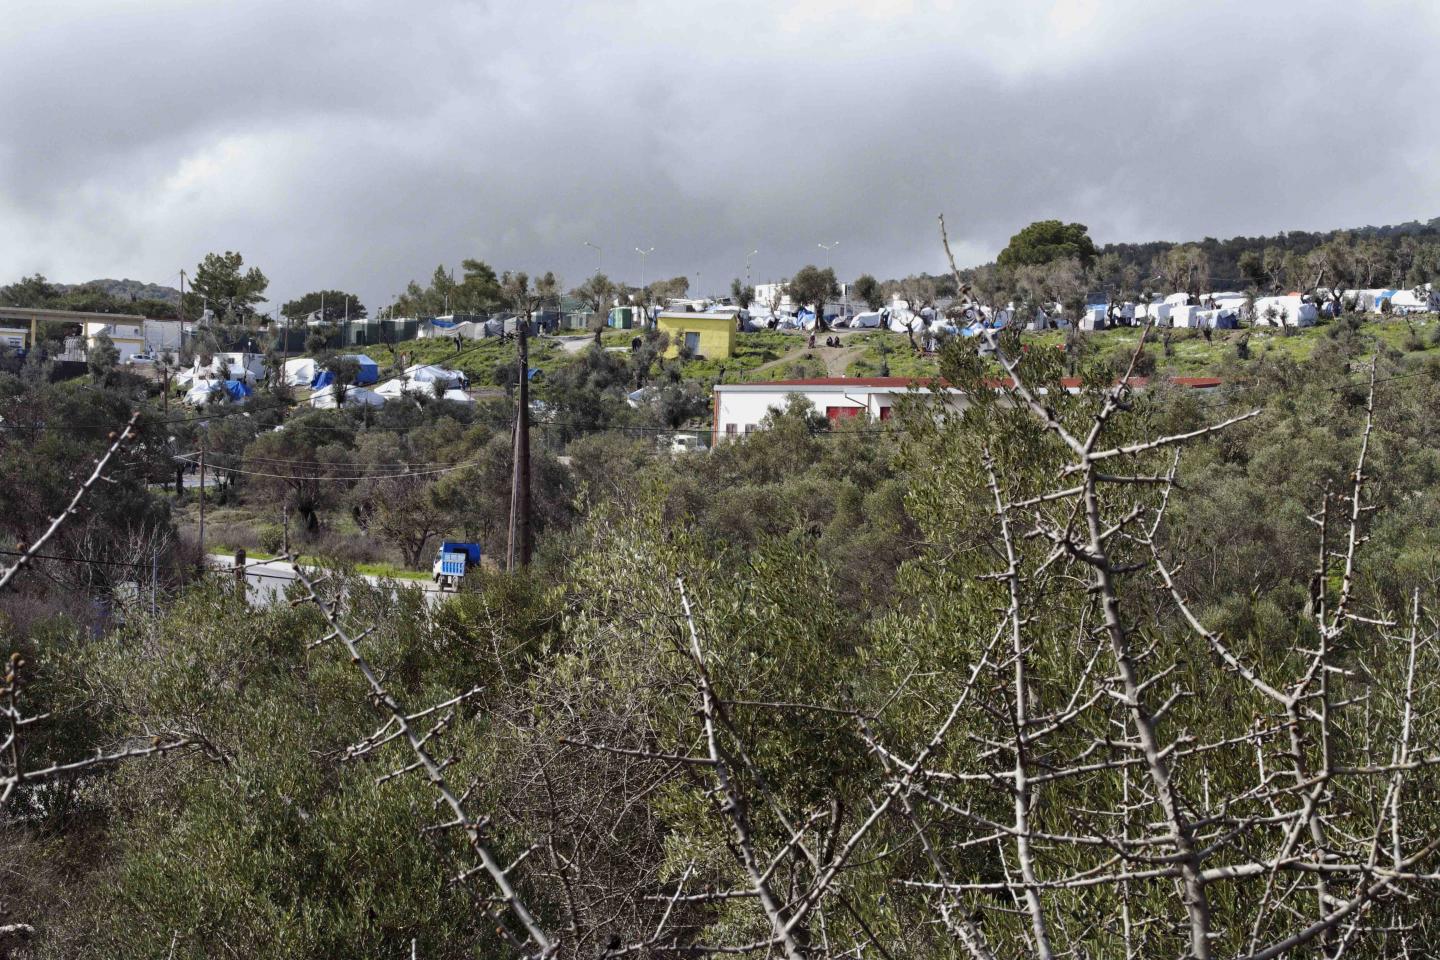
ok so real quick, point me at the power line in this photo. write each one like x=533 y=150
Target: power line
x=368 y=476
x=101 y=563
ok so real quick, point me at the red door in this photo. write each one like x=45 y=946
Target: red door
x=841 y=413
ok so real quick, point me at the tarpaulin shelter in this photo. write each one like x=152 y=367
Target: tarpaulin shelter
x=204 y=391
x=238 y=390
x=1289 y=311
x=369 y=369
x=299 y=372
x=429 y=373
x=325 y=398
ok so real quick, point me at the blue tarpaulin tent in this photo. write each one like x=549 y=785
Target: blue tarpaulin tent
x=238 y=390
x=443 y=324
x=369 y=369
x=368 y=373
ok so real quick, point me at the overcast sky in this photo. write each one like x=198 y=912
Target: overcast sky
x=357 y=144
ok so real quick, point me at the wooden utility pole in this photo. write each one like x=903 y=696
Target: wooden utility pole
x=202 y=496
x=519 y=546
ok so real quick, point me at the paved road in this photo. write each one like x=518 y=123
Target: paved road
x=575 y=344
x=267 y=580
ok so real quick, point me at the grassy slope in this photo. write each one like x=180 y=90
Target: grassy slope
x=477 y=359
x=784 y=355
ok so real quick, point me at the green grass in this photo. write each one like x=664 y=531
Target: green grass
x=1190 y=353
x=478 y=359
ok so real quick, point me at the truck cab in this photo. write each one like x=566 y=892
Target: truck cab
x=453 y=561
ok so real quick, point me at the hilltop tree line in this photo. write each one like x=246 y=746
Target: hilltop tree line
x=1050 y=262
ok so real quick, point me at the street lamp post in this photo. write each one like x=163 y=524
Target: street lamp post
x=830 y=263
x=596 y=248
x=747 y=266
x=643 y=255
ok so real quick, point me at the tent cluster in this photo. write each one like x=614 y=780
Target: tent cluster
x=305 y=372
x=206 y=385
x=478 y=328
x=218 y=391
x=245 y=367
x=420 y=380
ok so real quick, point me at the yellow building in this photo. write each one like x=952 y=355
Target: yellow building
x=708 y=335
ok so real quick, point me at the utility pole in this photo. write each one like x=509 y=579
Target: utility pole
x=203 y=439
x=519 y=547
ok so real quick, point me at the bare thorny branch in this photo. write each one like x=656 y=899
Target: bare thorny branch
x=16 y=722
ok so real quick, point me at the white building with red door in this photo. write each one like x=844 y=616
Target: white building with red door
x=740 y=408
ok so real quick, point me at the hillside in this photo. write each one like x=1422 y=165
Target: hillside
x=126 y=290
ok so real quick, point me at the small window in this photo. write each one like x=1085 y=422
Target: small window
x=749 y=428
x=692 y=342
x=731 y=429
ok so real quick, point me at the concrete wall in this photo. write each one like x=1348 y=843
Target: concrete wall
x=716 y=333
x=743 y=410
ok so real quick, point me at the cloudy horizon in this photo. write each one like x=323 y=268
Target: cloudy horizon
x=358 y=145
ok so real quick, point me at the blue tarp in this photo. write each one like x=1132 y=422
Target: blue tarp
x=238 y=389
x=369 y=369
x=1227 y=320
x=444 y=324
x=322 y=378
x=471 y=550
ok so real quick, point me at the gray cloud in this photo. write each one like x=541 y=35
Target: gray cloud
x=359 y=144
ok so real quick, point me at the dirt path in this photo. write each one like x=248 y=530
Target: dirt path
x=836 y=359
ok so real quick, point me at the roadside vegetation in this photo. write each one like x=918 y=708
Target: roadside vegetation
x=1111 y=672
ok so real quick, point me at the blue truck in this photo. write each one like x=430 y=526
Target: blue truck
x=453 y=561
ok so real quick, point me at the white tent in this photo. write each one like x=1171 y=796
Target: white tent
x=903 y=319
x=1225 y=300
x=251 y=363
x=867 y=320
x=204 y=391
x=299 y=372
x=1094 y=318
x=1178 y=299
x=1186 y=317
x=397 y=388
x=223 y=366
x=324 y=398
x=1408 y=301
x=428 y=374
x=1289 y=311
x=458 y=396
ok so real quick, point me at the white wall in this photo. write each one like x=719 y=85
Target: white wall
x=746 y=409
